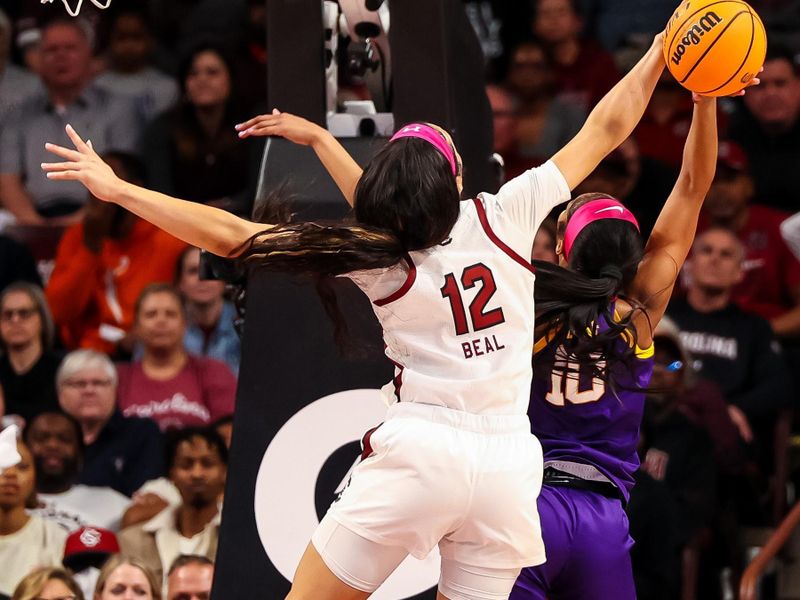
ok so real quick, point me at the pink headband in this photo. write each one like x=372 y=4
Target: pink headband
x=595 y=210
x=430 y=135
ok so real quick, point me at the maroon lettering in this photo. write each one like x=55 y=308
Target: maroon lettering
x=467 y=349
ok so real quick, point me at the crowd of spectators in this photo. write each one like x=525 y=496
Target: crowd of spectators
x=119 y=361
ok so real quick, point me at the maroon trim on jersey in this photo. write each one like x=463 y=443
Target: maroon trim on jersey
x=410 y=278
x=366 y=443
x=398 y=379
x=496 y=240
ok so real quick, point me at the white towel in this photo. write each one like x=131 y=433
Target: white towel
x=8 y=448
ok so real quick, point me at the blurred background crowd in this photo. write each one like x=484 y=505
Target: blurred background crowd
x=119 y=361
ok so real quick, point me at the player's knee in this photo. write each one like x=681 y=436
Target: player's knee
x=467 y=582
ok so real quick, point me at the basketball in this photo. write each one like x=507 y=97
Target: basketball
x=714 y=47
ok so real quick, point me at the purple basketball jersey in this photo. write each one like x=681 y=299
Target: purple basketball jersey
x=579 y=420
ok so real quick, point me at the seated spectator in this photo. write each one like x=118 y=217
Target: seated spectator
x=127 y=577
x=193 y=151
x=130 y=47
x=767 y=125
x=584 y=72
x=48 y=583
x=190 y=577
x=16 y=84
x=732 y=347
x=121 y=453
x=665 y=124
x=544 y=244
x=69 y=97
x=545 y=123
x=158 y=494
x=28 y=364
x=770 y=286
x=506 y=107
x=168 y=385
x=209 y=317
x=85 y=553
x=26 y=541
x=197 y=460
x=102 y=266
x=16 y=263
x=56 y=444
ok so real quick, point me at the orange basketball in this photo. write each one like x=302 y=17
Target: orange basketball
x=714 y=47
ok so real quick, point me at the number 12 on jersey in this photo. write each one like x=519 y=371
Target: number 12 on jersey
x=481 y=318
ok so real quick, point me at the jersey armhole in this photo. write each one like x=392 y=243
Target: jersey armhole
x=411 y=276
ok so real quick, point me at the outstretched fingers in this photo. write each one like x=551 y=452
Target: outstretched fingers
x=67 y=153
x=58 y=166
x=80 y=145
x=64 y=175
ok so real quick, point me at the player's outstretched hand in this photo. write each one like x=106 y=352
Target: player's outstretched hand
x=83 y=164
x=293 y=128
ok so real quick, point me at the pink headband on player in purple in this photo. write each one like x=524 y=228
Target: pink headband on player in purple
x=430 y=135
x=595 y=210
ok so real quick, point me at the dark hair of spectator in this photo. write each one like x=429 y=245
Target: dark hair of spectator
x=189 y=559
x=550 y=228
x=36 y=295
x=179 y=266
x=156 y=288
x=603 y=261
x=31 y=586
x=186 y=64
x=175 y=438
x=781 y=52
x=133 y=167
x=69 y=418
x=575 y=5
x=223 y=420
x=79 y=24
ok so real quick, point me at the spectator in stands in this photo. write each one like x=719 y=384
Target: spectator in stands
x=85 y=553
x=26 y=541
x=545 y=122
x=102 y=266
x=584 y=71
x=197 y=460
x=121 y=453
x=209 y=317
x=16 y=84
x=56 y=443
x=544 y=244
x=28 y=364
x=768 y=127
x=48 y=583
x=69 y=98
x=770 y=286
x=130 y=48
x=168 y=385
x=506 y=107
x=16 y=262
x=193 y=151
x=190 y=578
x=127 y=577
x=676 y=450
x=734 y=348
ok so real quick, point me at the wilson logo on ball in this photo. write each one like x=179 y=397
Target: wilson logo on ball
x=692 y=37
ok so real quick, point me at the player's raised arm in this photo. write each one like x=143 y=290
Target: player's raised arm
x=673 y=233
x=340 y=165
x=206 y=227
x=613 y=119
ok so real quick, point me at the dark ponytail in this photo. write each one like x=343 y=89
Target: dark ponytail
x=576 y=306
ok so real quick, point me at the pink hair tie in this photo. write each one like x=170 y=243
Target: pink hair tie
x=430 y=135
x=595 y=210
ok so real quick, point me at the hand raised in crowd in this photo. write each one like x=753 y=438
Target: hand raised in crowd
x=742 y=424
x=293 y=128
x=85 y=165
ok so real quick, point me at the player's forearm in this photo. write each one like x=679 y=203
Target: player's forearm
x=700 y=152
x=616 y=115
x=203 y=226
x=340 y=165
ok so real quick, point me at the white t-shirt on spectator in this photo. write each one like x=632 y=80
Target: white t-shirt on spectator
x=84 y=505
x=39 y=543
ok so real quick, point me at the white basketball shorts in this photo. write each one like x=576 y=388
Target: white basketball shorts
x=466 y=482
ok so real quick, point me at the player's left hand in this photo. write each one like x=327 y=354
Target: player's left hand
x=754 y=81
x=293 y=128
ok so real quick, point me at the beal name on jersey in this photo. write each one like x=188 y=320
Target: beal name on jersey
x=481 y=346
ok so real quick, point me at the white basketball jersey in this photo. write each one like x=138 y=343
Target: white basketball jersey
x=458 y=319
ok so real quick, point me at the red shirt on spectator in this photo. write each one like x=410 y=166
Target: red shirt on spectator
x=771 y=271
x=589 y=77
x=202 y=392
